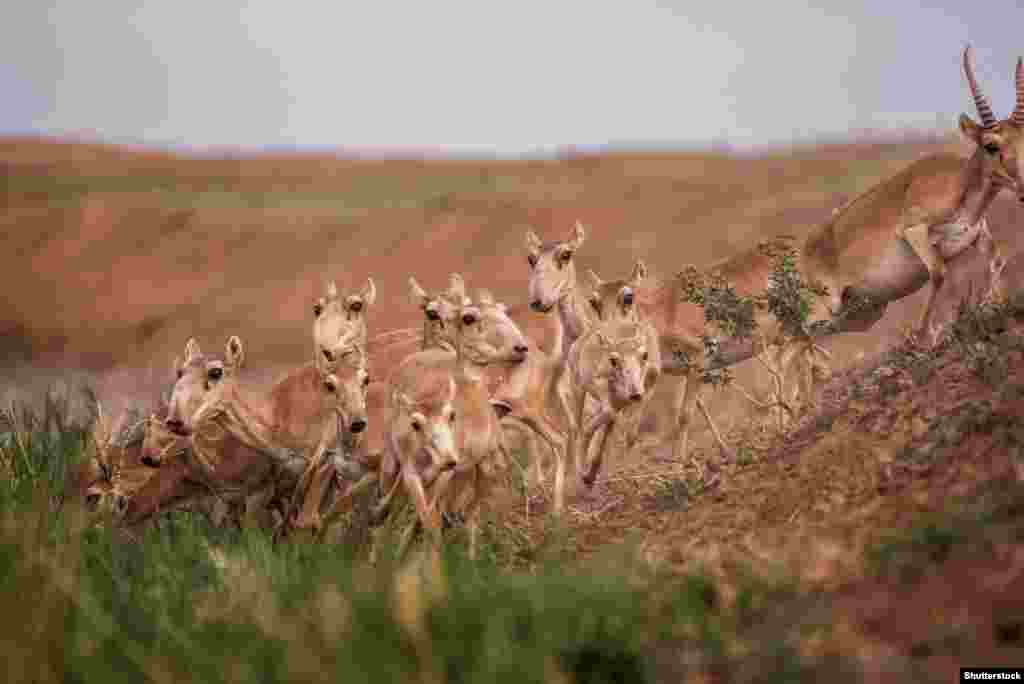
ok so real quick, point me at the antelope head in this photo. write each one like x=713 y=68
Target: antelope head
x=431 y=421
x=1002 y=141
x=102 y=492
x=628 y=361
x=486 y=334
x=159 y=442
x=340 y=321
x=615 y=300
x=440 y=311
x=197 y=376
x=552 y=273
x=348 y=385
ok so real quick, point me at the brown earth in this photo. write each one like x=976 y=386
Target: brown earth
x=112 y=258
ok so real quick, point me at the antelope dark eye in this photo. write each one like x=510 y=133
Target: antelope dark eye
x=328 y=355
x=532 y=259
x=644 y=357
x=416 y=426
x=566 y=256
x=317 y=310
x=469 y=319
x=433 y=315
x=366 y=381
x=356 y=306
x=991 y=148
x=451 y=418
x=216 y=373
x=330 y=387
x=180 y=372
x=627 y=299
x=614 y=361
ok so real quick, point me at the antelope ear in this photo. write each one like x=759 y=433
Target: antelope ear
x=639 y=271
x=192 y=349
x=533 y=243
x=457 y=287
x=234 y=352
x=970 y=129
x=578 y=234
x=369 y=292
x=332 y=290
x=419 y=295
x=595 y=280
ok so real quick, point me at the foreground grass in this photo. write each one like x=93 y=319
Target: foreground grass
x=188 y=602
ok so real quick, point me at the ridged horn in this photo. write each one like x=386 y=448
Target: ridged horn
x=988 y=119
x=1018 y=111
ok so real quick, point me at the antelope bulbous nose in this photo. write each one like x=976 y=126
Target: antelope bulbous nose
x=636 y=396
x=521 y=348
x=358 y=425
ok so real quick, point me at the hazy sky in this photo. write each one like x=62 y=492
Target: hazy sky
x=503 y=77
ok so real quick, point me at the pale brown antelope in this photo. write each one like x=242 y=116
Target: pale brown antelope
x=484 y=335
x=340 y=320
x=245 y=441
x=888 y=242
x=617 y=362
x=421 y=443
x=553 y=284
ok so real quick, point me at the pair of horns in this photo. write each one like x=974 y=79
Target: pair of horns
x=988 y=119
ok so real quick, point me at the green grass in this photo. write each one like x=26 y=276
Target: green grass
x=187 y=602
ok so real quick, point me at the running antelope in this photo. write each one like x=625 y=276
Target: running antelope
x=617 y=362
x=245 y=441
x=888 y=242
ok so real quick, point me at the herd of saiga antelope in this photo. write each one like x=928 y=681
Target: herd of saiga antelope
x=292 y=458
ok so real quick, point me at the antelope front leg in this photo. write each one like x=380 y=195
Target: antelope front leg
x=993 y=249
x=570 y=453
x=607 y=421
x=684 y=412
x=917 y=237
x=427 y=514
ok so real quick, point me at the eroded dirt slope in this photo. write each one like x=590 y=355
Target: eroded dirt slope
x=112 y=257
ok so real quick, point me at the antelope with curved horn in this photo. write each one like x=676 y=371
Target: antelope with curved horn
x=886 y=243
